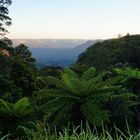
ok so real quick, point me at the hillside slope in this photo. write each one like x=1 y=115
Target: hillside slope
x=104 y=55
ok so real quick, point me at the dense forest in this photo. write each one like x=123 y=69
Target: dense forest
x=96 y=98
x=113 y=52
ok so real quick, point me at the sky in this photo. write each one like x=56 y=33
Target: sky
x=73 y=19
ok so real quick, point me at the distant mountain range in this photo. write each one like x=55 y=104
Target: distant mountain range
x=56 y=52
x=49 y=43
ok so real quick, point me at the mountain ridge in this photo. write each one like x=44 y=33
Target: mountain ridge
x=60 y=55
x=49 y=43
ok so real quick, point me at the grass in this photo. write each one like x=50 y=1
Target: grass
x=77 y=133
x=84 y=135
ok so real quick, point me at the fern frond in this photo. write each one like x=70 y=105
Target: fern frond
x=89 y=74
x=71 y=83
x=54 y=82
x=22 y=107
x=71 y=73
x=101 y=98
x=64 y=114
x=128 y=73
x=94 y=113
x=54 y=105
x=5 y=108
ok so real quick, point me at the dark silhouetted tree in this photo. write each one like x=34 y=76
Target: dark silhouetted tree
x=5 y=20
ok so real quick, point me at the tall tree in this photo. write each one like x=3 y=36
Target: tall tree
x=6 y=54
x=23 y=54
x=5 y=20
x=23 y=70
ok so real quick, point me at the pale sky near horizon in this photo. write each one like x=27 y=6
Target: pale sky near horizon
x=73 y=19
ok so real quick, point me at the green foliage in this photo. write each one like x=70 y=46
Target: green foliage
x=24 y=77
x=6 y=53
x=106 y=54
x=77 y=133
x=130 y=78
x=8 y=90
x=22 y=107
x=60 y=96
x=79 y=68
x=12 y=115
x=93 y=98
x=17 y=71
x=81 y=98
x=5 y=108
x=24 y=55
x=23 y=71
x=17 y=80
x=55 y=71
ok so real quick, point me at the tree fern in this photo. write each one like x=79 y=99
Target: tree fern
x=84 y=96
x=11 y=115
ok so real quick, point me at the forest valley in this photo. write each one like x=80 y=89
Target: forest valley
x=96 y=98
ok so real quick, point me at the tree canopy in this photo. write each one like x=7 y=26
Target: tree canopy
x=106 y=54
